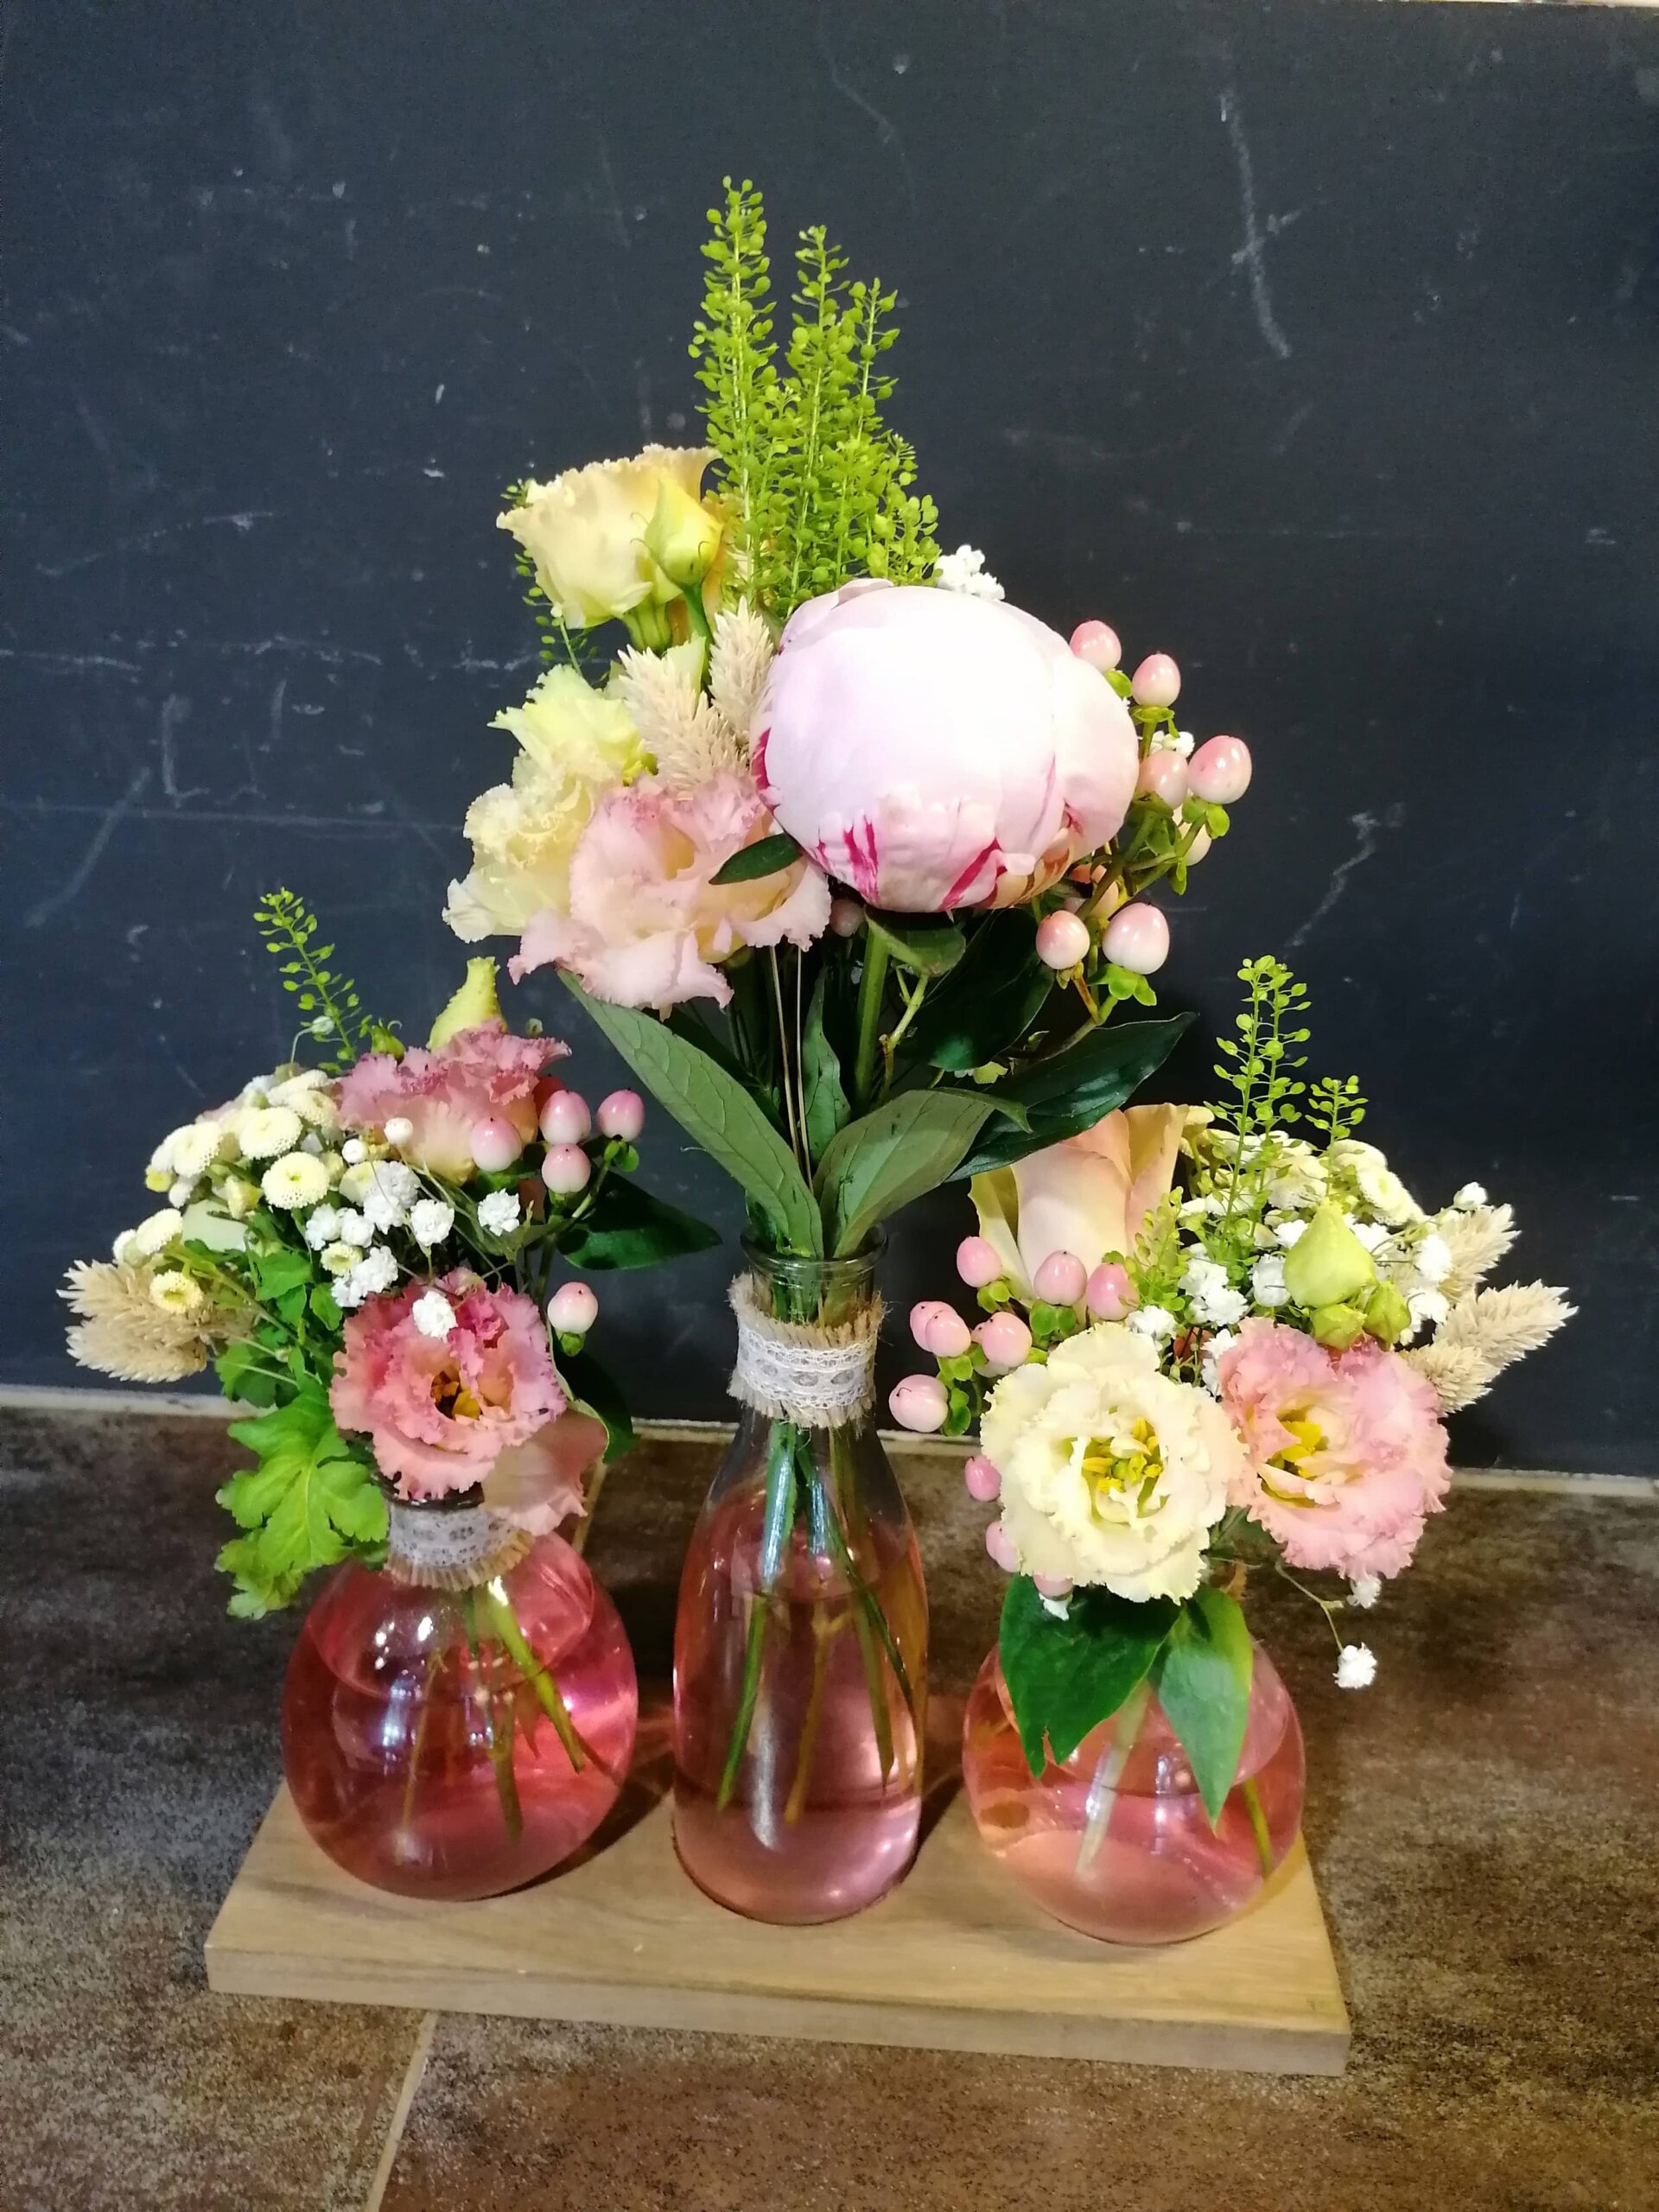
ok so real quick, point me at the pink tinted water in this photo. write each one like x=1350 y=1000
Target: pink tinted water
x=425 y=1765
x=1159 y=1873
x=814 y=1828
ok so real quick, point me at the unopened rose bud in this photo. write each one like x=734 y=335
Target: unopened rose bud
x=1137 y=937
x=1220 y=770
x=920 y=1404
x=1060 y=1279
x=1062 y=941
x=622 y=1115
x=1097 y=644
x=938 y=1328
x=566 y=1169
x=977 y=1262
x=1157 y=682
x=565 y=1118
x=572 y=1310
x=1327 y=1265
x=495 y=1143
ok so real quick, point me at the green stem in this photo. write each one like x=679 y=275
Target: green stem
x=506 y=1785
x=1103 y=1789
x=546 y=1689
x=1252 y=1797
x=780 y=1522
x=697 y=614
x=871 y=986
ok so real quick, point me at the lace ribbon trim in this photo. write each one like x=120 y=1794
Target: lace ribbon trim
x=457 y=1549
x=795 y=1370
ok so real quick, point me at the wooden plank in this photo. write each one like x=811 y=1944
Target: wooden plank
x=955 y=1959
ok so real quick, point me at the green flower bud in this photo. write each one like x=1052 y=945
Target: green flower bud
x=681 y=537
x=1387 y=1317
x=1336 y=1327
x=473 y=1002
x=1327 y=1264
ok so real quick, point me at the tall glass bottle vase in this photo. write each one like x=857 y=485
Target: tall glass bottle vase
x=800 y=1647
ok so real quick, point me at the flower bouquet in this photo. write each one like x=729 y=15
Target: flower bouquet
x=847 y=858
x=365 y=1247
x=1176 y=1385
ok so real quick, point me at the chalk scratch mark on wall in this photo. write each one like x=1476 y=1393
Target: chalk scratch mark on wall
x=75 y=882
x=1367 y=825
x=242 y=523
x=886 y=130
x=1251 y=256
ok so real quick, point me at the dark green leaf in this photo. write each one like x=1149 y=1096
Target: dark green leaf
x=769 y=857
x=1075 y=1088
x=928 y=945
x=280 y=1270
x=883 y=1162
x=730 y=1125
x=989 y=1000
x=1066 y=1676
x=629 y=1228
x=593 y=1391
x=1204 y=1685
x=824 y=1102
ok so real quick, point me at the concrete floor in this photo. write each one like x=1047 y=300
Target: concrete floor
x=1484 y=1825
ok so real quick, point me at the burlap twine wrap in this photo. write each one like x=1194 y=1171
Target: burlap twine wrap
x=431 y=1548
x=795 y=1370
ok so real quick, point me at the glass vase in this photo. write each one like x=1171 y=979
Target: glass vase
x=461 y=1722
x=1115 y=1841
x=800 y=1645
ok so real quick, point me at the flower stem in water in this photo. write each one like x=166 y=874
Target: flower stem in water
x=774 y=1539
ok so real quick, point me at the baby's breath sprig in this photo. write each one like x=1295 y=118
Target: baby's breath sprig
x=333 y=1012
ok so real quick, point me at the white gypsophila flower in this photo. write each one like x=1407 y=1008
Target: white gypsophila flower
x=1154 y=1321
x=1371 y=1234
x=1364 y=1591
x=430 y=1221
x=154 y=1234
x=433 y=1315
x=354 y=1228
x=498 y=1212
x=353 y=1152
x=1288 y=1232
x=174 y=1292
x=340 y=1259
x=376 y=1271
x=1210 y=1365
x=399 y=1130
x=264 y=1132
x=1381 y=1188
x=1267 y=1281
x=1427 y=1305
x=964 y=571
x=295 y=1180
x=160 y=1160
x=1356 y=1667
x=1218 y=1306
x=391 y=1194
x=1469 y=1195
x=321 y=1227
x=193 y=1150
x=1432 y=1259
x=1207 y=1208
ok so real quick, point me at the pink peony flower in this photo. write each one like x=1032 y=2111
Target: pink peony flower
x=480 y=1075
x=481 y=1405
x=647 y=922
x=936 y=751
x=1347 y=1450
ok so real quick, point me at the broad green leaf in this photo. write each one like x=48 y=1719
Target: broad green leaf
x=279 y=1271
x=591 y=1390
x=928 y=945
x=713 y=1107
x=877 y=1164
x=825 y=1102
x=1075 y=1088
x=309 y=1502
x=989 y=1000
x=1203 y=1683
x=769 y=857
x=629 y=1228
x=1066 y=1675
x=242 y=1371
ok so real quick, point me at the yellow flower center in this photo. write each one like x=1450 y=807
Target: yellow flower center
x=1308 y=1438
x=452 y=1397
x=1122 y=1472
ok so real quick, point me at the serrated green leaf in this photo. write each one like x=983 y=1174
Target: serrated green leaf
x=1067 y=1674
x=629 y=1228
x=1071 y=1092
x=715 y=1108
x=908 y=1146
x=927 y=945
x=1203 y=1682
x=279 y=1270
x=768 y=856
x=310 y=1500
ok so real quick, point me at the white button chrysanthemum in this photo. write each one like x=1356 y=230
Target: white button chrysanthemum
x=174 y=1292
x=296 y=1179
x=1356 y=1667
x=430 y=1221
x=340 y=1259
x=433 y=1315
x=154 y=1234
x=498 y=1212
x=264 y=1131
x=192 y=1151
x=293 y=1088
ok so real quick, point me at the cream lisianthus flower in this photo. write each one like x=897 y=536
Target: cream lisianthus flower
x=1112 y=1473
x=576 y=744
x=586 y=530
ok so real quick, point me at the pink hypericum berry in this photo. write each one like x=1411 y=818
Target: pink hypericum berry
x=1157 y=682
x=1000 y=1544
x=1004 y=1339
x=1051 y=1586
x=982 y=1480
x=1199 y=848
x=920 y=1404
x=940 y=1328
x=565 y=1118
x=1220 y=770
x=1097 y=644
x=572 y=1310
x=1164 y=775
x=1137 y=937
x=1062 y=940
x=622 y=1114
x=976 y=1262
x=1110 y=1293
x=1060 y=1279
x=846 y=916
x=494 y=1143
x=566 y=1170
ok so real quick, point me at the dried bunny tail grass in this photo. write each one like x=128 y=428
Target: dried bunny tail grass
x=690 y=740
x=1477 y=1240
x=123 y=1333
x=738 y=666
x=1500 y=1326
x=1457 y=1376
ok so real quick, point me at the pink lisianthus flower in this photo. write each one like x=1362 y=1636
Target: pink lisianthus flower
x=937 y=750
x=482 y=1405
x=481 y=1073
x=647 y=923
x=1347 y=1450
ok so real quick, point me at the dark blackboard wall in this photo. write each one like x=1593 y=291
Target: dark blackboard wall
x=1315 y=343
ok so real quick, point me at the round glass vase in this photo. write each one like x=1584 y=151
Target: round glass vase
x=1115 y=1841
x=800 y=1644
x=462 y=1721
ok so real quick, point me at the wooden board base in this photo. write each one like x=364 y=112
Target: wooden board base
x=955 y=1959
